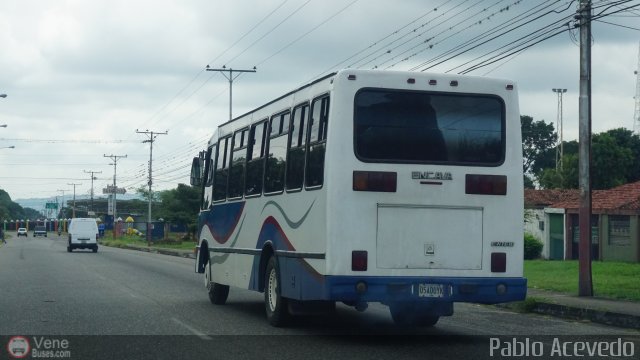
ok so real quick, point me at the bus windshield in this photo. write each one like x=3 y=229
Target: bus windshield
x=401 y=126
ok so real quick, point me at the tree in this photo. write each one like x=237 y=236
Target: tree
x=613 y=163
x=180 y=205
x=610 y=162
x=627 y=139
x=538 y=144
x=565 y=177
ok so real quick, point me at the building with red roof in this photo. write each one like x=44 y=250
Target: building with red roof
x=615 y=222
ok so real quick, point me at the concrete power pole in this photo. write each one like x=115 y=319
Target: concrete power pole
x=636 y=112
x=73 y=210
x=152 y=137
x=115 y=159
x=92 y=178
x=230 y=77
x=585 y=285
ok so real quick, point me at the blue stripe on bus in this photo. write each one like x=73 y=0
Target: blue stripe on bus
x=222 y=220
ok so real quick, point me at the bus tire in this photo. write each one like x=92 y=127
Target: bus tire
x=218 y=293
x=404 y=314
x=275 y=305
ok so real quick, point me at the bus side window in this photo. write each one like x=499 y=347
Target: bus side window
x=237 y=164
x=208 y=178
x=277 y=153
x=296 y=152
x=255 y=158
x=222 y=169
x=318 y=125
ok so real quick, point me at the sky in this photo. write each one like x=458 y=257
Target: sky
x=82 y=76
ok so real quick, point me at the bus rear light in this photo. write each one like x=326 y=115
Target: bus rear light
x=380 y=181
x=486 y=184
x=499 y=262
x=358 y=260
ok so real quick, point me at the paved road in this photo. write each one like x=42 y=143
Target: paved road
x=45 y=290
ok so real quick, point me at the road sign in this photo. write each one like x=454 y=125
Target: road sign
x=110 y=189
x=51 y=205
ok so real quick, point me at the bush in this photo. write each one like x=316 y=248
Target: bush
x=532 y=247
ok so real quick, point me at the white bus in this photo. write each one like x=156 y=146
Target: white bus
x=368 y=186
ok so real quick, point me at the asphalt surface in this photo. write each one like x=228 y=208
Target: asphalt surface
x=122 y=296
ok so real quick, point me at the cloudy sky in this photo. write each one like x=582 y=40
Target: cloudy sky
x=82 y=76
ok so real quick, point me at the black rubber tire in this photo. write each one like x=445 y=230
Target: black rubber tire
x=95 y=249
x=218 y=293
x=406 y=315
x=69 y=249
x=276 y=306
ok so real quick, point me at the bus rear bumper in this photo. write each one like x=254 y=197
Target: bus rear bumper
x=428 y=289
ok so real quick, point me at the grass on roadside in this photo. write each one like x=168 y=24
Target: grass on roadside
x=134 y=240
x=616 y=280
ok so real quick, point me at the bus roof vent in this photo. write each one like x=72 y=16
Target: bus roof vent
x=351 y=77
x=509 y=86
x=433 y=82
x=454 y=83
x=411 y=81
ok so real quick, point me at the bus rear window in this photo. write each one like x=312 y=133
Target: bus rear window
x=425 y=127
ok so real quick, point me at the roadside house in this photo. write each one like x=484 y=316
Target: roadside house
x=546 y=222
x=615 y=232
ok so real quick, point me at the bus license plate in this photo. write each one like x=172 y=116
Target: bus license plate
x=431 y=290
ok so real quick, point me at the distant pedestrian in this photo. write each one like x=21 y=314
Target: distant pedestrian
x=2 y=236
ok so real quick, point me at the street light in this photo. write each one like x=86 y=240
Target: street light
x=8 y=147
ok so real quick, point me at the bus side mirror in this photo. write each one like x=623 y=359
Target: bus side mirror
x=196 y=172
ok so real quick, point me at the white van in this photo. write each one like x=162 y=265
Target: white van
x=83 y=234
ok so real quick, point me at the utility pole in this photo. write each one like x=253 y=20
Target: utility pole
x=152 y=137
x=585 y=285
x=230 y=77
x=559 y=149
x=636 y=111
x=92 y=178
x=62 y=207
x=73 y=210
x=115 y=159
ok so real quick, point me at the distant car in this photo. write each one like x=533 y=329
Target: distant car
x=40 y=230
x=22 y=232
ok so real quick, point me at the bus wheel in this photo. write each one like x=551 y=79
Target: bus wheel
x=275 y=305
x=405 y=314
x=218 y=293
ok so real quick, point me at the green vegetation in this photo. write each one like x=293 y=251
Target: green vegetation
x=615 y=157
x=132 y=240
x=616 y=280
x=532 y=247
x=12 y=210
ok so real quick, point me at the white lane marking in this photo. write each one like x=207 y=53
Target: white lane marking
x=195 y=331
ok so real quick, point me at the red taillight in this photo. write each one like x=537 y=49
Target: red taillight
x=380 y=181
x=358 y=260
x=486 y=184
x=499 y=262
